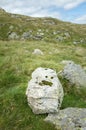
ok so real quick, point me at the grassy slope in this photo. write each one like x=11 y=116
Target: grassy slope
x=16 y=65
x=47 y=25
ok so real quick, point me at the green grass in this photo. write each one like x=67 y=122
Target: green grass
x=16 y=65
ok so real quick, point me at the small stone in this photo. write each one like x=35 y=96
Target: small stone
x=67 y=34
x=37 y=52
x=60 y=38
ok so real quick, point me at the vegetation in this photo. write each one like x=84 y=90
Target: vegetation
x=44 y=82
x=16 y=65
x=46 y=29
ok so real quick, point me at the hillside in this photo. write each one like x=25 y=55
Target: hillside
x=19 y=37
x=19 y=27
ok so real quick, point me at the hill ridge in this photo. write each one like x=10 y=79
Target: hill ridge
x=21 y=27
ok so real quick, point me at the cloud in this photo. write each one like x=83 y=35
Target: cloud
x=66 y=4
x=44 y=12
x=40 y=8
x=81 y=20
x=72 y=4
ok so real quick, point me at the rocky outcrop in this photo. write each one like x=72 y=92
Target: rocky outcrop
x=74 y=74
x=44 y=92
x=69 y=119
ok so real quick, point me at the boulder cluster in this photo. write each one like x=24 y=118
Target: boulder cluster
x=45 y=95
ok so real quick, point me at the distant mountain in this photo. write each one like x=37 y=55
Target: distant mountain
x=20 y=27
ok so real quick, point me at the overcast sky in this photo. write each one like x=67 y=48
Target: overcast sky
x=67 y=10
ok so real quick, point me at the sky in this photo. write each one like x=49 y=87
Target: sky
x=66 y=10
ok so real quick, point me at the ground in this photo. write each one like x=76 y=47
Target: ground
x=16 y=65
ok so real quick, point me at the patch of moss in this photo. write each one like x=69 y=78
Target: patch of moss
x=44 y=82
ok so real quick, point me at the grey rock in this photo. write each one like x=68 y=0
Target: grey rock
x=75 y=74
x=82 y=41
x=13 y=36
x=54 y=32
x=38 y=36
x=40 y=33
x=11 y=27
x=69 y=119
x=37 y=52
x=60 y=38
x=26 y=35
x=67 y=34
x=76 y=42
x=44 y=91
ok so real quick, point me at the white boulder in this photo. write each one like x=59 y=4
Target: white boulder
x=44 y=91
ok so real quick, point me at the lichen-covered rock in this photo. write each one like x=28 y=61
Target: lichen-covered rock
x=69 y=119
x=74 y=74
x=44 y=92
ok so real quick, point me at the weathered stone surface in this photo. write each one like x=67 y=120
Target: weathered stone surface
x=75 y=74
x=44 y=92
x=37 y=52
x=69 y=119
